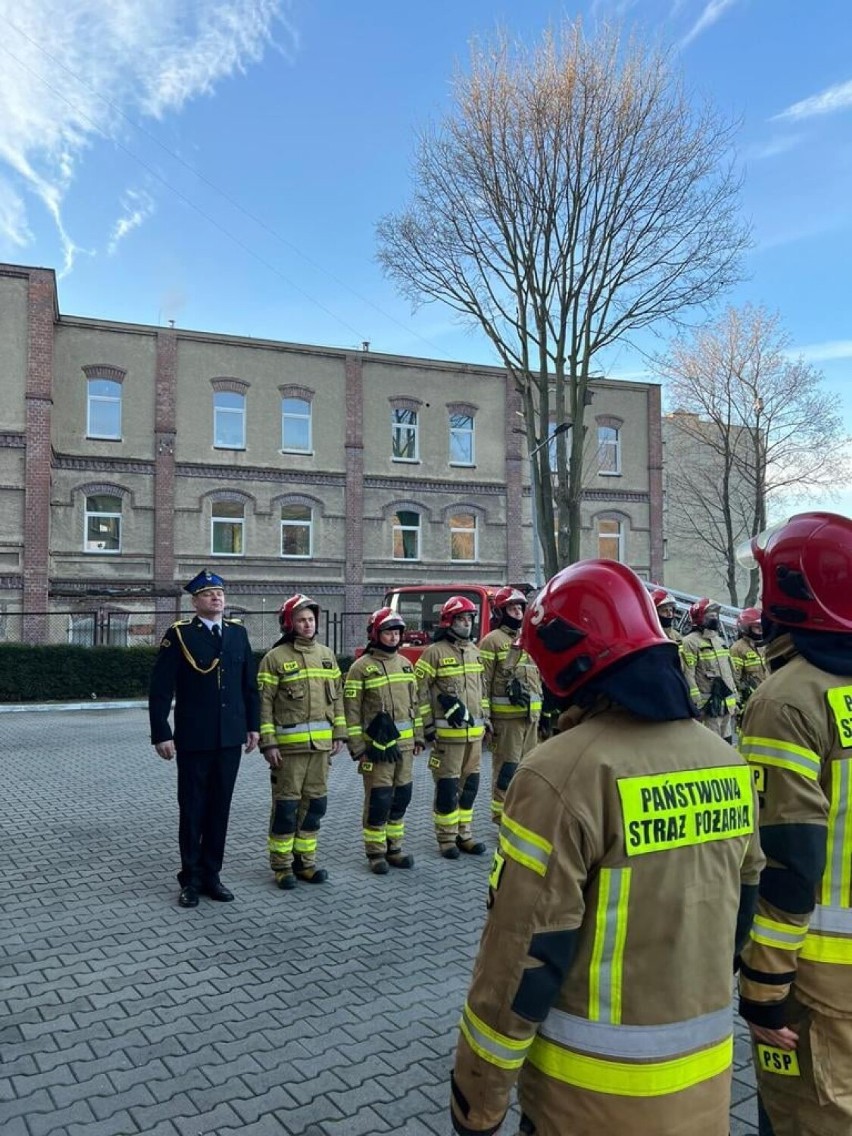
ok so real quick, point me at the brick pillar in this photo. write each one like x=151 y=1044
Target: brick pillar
x=165 y=387
x=41 y=318
x=353 y=578
x=515 y=541
x=655 y=483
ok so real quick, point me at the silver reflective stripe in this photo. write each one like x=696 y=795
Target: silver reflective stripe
x=304 y=727
x=513 y=1055
x=526 y=848
x=612 y=952
x=499 y=700
x=839 y=848
x=638 y=1041
x=754 y=752
x=760 y=932
x=831 y=919
x=404 y=725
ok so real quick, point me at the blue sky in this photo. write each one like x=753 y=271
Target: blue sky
x=223 y=162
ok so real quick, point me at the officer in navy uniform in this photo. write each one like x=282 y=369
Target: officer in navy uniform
x=206 y=664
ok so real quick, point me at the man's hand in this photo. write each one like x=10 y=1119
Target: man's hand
x=418 y=748
x=166 y=750
x=783 y=1038
x=336 y=747
x=273 y=756
x=251 y=741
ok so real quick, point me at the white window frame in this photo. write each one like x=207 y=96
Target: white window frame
x=457 y=432
x=397 y=527
x=238 y=522
x=219 y=411
x=308 y=417
x=609 y=445
x=618 y=536
x=397 y=429
x=309 y=524
x=91 y=513
x=466 y=532
x=105 y=400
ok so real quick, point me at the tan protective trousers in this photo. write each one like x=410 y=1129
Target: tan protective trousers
x=387 y=792
x=513 y=739
x=299 y=799
x=455 y=771
x=815 y=1099
x=723 y=727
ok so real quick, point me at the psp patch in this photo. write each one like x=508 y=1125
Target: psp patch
x=781 y=1062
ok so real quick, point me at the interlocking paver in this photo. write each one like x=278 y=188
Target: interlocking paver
x=327 y=1011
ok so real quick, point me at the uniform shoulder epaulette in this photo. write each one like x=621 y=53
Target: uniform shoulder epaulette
x=181 y=622
x=233 y=619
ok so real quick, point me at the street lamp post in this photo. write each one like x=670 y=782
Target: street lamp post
x=559 y=429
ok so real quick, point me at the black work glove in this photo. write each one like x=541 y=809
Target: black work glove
x=455 y=711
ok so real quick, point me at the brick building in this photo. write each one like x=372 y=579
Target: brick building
x=131 y=456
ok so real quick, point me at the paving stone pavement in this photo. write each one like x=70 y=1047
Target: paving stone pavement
x=327 y=1011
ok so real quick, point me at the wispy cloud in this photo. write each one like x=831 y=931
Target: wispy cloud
x=824 y=352
x=832 y=99
x=760 y=151
x=138 y=205
x=142 y=57
x=712 y=13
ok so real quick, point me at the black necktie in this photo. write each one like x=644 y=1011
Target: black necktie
x=217 y=633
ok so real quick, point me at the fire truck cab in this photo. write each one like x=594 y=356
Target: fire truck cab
x=420 y=606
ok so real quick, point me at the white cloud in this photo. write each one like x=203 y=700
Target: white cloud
x=824 y=352
x=832 y=99
x=713 y=11
x=135 y=57
x=138 y=207
x=13 y=217
x=759 y=151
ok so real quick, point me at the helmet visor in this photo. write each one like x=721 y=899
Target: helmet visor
x=747 y=553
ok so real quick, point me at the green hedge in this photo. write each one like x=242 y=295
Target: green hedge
x=75 y=674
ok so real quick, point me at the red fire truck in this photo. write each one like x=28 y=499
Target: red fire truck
x=420 y=606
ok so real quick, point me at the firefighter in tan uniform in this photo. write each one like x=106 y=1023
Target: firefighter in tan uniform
x=796 y=971
x=302 y=726
x=454 y=710
x=513 y=687
x=708 y=670
x=747 y=656
x=385 y=735
x=666 y=606
x=625 y=877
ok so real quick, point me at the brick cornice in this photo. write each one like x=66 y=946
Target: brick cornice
x=10 y=440
x=11 y=584
x=413 y=486
x=102 y=465
x=236 y=386
x=104 y=371
x=256 y=473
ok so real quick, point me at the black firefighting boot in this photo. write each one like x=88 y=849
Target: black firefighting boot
x=285 y=880
x=378 y=864
x=400 y=859
x=311 y=874
x=449 y=851
x=469 y=845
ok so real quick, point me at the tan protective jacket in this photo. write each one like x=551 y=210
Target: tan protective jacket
x=749 y=667
x=603 y=982
x=797 y=736
x=382 y=680
x=502 y=661
x=301 y=697
x=704 y=657
x=451 y=667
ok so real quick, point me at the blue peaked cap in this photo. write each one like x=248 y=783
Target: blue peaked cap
x=203 y=582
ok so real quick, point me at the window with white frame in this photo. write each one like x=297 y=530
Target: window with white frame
x=229 y=420
x=461 y=439
x=297 y=531
x=103 y=417
x=463 y=537
x=609 y=450
x=227 y=522
x=406 y=535
x=404 y=435
x=102 y=523
x=296 y=425
x=610 y=539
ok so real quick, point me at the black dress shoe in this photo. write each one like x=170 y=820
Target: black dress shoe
x=219 y=892
x=188 y=896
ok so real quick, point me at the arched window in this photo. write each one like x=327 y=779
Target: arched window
x=461 y=438
x=464 y=537
x=102 y=523
x=610 y=539
x=609 y=445
x=297 y=526
x=229 y=420
x=227 y=522
x=406 y=535
x=103 y=416
x=296 y=425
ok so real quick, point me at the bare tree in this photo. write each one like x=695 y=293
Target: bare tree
x=572 y=195
x=759 y=430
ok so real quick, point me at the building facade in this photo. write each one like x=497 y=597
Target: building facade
x=132 y=456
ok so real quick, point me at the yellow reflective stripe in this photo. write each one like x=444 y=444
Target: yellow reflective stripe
x=352 y=686
x=470 y=734
x=783 y=936
x=465 y=816
x=827 y=949
x=422 y=667
x=835 y=888
x=497 y=807
x=395 y=829
x=524 y=846
x=387 y=679
x=309 y=672
x=607 y=962
x=305 y=844
x=374 y=835
x=264 y=678
x=496 y=1048
x=355 y=731
x=280 y=844
x=339 y=721
x=618 y=1078
x=444 y=820
x=784 y=755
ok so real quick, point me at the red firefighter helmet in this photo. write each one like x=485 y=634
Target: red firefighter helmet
x=699 y=611
x=385 y=619
x=506 y=596
x=289 y=608
x=588 y=617
x=661 y=598
x=455 y=605
x=806 y=571
x=747 y=617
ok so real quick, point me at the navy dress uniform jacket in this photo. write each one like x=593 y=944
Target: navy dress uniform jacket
x=214 y=708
